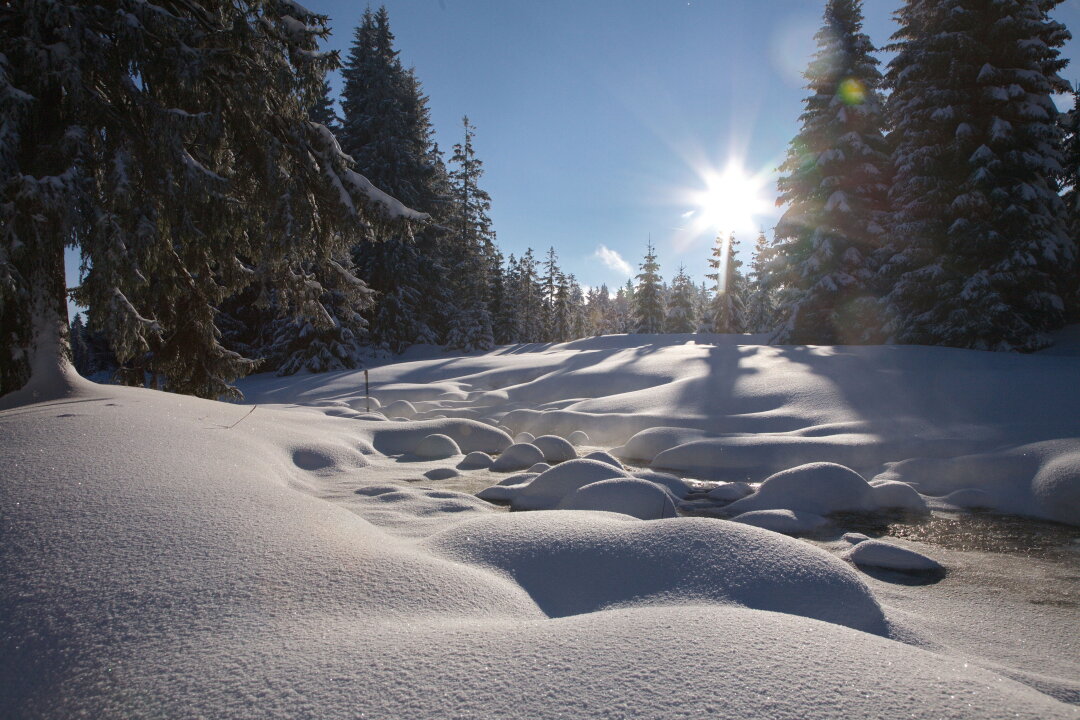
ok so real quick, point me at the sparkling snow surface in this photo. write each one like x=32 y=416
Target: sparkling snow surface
x=165 y=556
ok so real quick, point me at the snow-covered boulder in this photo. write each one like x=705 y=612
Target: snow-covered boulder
x=788 y=522
x=436 y=447
x=550 y=487
x=880 y=554
x=475 y=461
x=854 y=538
x=899 y=496
x=730 y=492
x=441 y=473
x=629 y=496
x=578 y=438
x=400 y=408
x=524 y=437
x=1056 y=487
x=647 y=444
x=517 y=457
x=555 y=448
x=539 y=468
x=676 y=486
x=819 y=488
x=604 y=457
x=362 y=404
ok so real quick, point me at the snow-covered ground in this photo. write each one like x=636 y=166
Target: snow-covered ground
x=298 y=556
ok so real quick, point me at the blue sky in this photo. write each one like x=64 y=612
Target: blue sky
x=597 y=118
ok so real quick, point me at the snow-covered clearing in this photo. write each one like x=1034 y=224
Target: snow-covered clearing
x=169 y=556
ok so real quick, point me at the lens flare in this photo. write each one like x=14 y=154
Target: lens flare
x=731 y=202
x=852 y=92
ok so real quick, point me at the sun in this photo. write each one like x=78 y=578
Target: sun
x=732 y=201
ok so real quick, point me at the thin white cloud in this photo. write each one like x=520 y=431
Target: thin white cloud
x=613 y=260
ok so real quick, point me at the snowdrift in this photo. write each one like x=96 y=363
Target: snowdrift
x=165 y=556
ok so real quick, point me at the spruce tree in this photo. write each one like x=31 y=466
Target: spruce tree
x=472 y=243
x=648 y=301
x=386 y=129
x=682 y=315
x=835 y=187
x=174 y=150
x=761 y=310
x=1070 y=184
x=981 y=252
x=726 y=309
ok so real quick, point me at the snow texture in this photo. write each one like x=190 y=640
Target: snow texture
x=877 y=553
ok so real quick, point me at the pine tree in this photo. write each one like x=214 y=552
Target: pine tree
x=1070 y=183
x=761 y=308
x=682 y=315
x=981 y=250
x=173 y=148
x=835 y=185
x=528 y=296
x=726 y=310
x=648 y=301
x=386 y=128
x=550 y=284
x=322 y=110
x=473 y=249
x=579 y=313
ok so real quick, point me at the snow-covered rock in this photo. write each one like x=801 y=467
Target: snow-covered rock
x=555 y=448
x=877 y=553
x=539 y=468
x=628 y=496
x=548 y=489
x=441 y=474
x=400 y=408
x=517 y=457
x=898 y=496
x=475 y=461
x=788 y=522
x=730 y=492
x=818 y=488
x=436 y=447
x=524 y=437
x=365 y=404
x=604 y=457
x=578 y=438
x=647 y=444
x=676 y=486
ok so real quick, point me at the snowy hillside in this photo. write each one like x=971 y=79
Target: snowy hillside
x=298 y=556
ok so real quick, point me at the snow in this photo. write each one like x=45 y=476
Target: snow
x=175 y=557
x=518 y=457
x=630 y=496
x=555 y=448
x=876 y=553
x=436 y=447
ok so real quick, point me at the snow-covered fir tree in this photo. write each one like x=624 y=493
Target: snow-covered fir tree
x=1070 y=184
x=761 y=306
x=835 y=186
x=174 y=149
x=726 y=308
x=624 y=308
x=648 y=299
x=682 y=313
x=471 y=249
x=549 y=283
x=528 y=299
x=981 y=249
x=601 y=312
x=386 y=128
x=579 y=313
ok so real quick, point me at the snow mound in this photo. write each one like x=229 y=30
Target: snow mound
x=855 y=537
x=400 y=408
x=578 y=438
x=818 y=488
x=730 y=492
x=402 y=438
x=647 y=444
x=524 y=437
x=436 y=447
x=880 y=554
x=676 y=486
x=788 y=522
x=517 y=457
x=604 y=457
x=365 y=404
x=628 y=496
x=475 y=461
x=539 y=468
x=609 y=561
x=898 y=496
x=548 y=489
x=441 y=474
x=555 y=448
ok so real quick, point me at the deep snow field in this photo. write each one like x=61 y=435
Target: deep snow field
x=298 y=556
